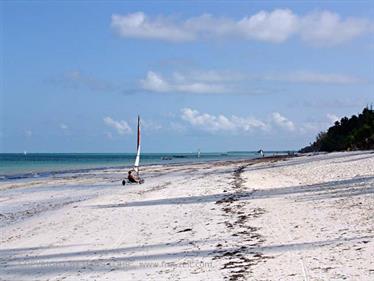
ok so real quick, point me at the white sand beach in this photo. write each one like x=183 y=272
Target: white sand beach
x=301 y=218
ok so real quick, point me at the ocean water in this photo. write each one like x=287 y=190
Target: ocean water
x=19 y=165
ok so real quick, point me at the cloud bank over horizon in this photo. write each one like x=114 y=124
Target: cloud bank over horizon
x=216 y=123
x=318 y=28
x=231 y=82
x=210 y=123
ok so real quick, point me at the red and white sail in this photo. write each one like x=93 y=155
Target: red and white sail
x=137 y=159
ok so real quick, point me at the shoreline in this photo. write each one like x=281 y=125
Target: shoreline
x=52 y=173
x=306 y=217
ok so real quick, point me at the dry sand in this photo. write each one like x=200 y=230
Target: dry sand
x=302 y=218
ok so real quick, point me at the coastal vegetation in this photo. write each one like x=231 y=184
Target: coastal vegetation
x=355 y=133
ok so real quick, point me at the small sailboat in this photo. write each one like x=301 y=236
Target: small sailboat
x=133 y=174
x=137 y=159
x=198 y=153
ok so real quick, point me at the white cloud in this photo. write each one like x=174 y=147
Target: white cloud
x=213 y=76
x=206 y=26
x=320 y=28
x=180 y=83
x=276 y=26
x=138 y=25
x=207 y=121
x=282 y=121
x=249 y=123
x=191 y=118
x=220 y=122
x=154 y=82
x=315 y=78
x=122 y=127
x=216 y=82
x=327 y=28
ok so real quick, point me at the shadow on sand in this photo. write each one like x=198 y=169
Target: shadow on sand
x=328 y=190
x=129 y=259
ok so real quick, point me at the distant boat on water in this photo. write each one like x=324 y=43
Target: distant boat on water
x=166 y=158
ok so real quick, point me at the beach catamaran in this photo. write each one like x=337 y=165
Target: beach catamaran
x=133 y=174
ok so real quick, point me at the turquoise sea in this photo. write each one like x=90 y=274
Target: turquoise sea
x=20 y=165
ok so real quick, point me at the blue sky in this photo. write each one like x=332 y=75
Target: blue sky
x=214 y=75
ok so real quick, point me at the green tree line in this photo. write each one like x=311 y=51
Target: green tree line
x=355 y=133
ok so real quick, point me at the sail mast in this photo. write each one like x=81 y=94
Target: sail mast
x=138 y=143
x=137 y=159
